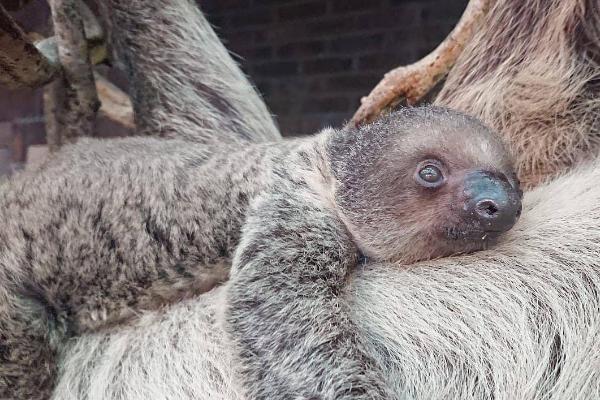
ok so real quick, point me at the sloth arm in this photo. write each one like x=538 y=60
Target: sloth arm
x=286 y=313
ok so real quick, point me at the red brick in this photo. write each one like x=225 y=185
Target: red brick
x=240 y=40
x=253 y=16
x=290 y=126
x=353 y=83
x=444 y=11
x=357 y=44
x=20 y=103
x=327 y=65
x=355 y=5
x=301 y=49
x=274 y=2
x=227 y=4
x=276 y=68
x=259 y=53
x=302 y=10
x=264 y=87
x=333 y=26
x=27 y=133
x=326 y=104
x=385 y=61
x=283 y=33
x=409 y=15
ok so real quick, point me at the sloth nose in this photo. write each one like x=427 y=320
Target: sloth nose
x=492 y=201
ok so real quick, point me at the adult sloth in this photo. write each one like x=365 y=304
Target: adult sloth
x=521 y=321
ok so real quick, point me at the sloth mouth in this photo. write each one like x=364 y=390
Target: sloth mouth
x=472 y=235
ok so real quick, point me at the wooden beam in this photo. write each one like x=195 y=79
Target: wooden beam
x=80 y=102
x=21 y=64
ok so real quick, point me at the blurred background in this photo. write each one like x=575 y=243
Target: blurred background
x=312 y=60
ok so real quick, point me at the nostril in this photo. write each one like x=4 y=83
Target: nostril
x=486 y=208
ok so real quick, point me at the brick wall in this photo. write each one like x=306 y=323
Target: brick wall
x=311 y=59
x=314 y=59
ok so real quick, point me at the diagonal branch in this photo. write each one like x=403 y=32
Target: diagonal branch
x=412 y=82
x=80 y=98
x=21 y=64
x=115 y=106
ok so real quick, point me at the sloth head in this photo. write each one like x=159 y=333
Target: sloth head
x=423 y=183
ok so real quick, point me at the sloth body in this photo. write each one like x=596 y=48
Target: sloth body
x=98 y=236
x=517 y=322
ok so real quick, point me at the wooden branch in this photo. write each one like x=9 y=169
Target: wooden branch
x=21 y=64
x=81 y=100
x=96 y=49
x=412 y=82
x=92 y=28
x=116 y=104
x=53 y=98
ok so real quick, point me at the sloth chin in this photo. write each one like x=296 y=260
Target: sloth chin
x=456 y=234
x=458 y=240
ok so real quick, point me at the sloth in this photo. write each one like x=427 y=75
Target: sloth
x=518 y=321
x=419 y=184
x=101 y=234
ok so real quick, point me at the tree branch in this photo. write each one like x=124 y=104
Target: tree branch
x=53 y=100
x=412 y=82
x=21 y=64
x=116 y=104
x=81 y=100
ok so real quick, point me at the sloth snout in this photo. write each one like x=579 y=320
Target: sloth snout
x=492 y=202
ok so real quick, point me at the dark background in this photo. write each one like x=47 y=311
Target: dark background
x=311 y=59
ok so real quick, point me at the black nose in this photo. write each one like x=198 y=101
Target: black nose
x=493 y=203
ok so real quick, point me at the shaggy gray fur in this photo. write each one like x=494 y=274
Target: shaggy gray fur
x=111 y=228
x=107 y=229
x=326 y=205
x=519 y=321
x=183 y=81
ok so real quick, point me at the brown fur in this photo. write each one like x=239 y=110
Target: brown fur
x=533 y=73
x=109 y=229
x=519 y=322
x=377 y=183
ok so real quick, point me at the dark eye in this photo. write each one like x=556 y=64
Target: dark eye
x=429 y=175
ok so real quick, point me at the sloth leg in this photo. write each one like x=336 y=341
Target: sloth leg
x=184 y=82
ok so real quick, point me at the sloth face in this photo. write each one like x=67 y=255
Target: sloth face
x=424 y=183
x=465 y=207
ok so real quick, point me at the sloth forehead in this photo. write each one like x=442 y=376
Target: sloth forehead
x=446 y=134
x=413 y=134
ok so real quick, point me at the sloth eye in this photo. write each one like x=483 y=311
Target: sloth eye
x=429 y=175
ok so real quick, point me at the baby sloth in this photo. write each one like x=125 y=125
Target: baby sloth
x=111 y=228
x=417 y=184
